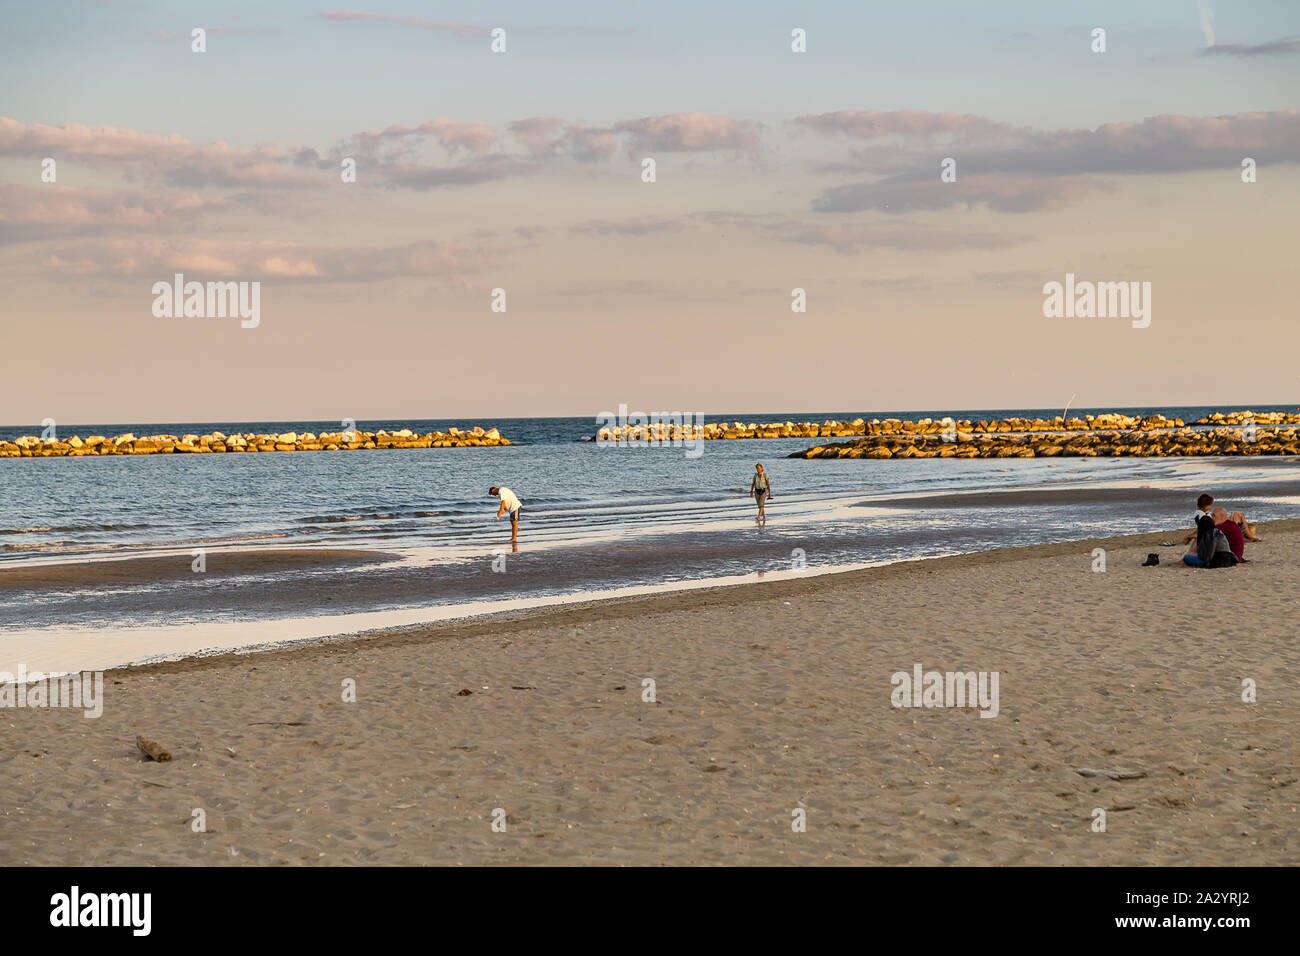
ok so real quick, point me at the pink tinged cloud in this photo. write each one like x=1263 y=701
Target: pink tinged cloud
x=40 y=213
x=220 y=259
x=537 y=133
x=451 y=134
x=171 y=158
x=683 y=132
x=589 y=143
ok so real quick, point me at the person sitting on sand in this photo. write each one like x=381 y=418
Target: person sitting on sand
x=1247 y=530
x=761 y=489
x=1203 y=505
x=511 y=503
x=1238 y=518
x=1232 y=531
x=1209 y=546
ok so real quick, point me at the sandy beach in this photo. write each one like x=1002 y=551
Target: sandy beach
x=770 y=697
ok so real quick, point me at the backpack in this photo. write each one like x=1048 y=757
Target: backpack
x=1206 y=545
x=1224 y=556
x=1212 y=545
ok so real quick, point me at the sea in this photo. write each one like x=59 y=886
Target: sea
x=597 y=520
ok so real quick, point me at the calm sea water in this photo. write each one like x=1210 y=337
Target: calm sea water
x=588 y=509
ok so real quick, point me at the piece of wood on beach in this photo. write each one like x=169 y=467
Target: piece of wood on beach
x=1112 y=774
x=151 y=749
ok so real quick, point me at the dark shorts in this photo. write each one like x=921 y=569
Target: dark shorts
x=760 y=496
x=514 y=515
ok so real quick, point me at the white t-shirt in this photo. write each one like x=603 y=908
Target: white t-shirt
x=508 y=499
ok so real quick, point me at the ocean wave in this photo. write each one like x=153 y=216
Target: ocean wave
x=374 y=516
x=58 y=547
x=73 y=528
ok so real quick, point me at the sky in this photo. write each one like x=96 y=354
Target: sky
x=523 y=170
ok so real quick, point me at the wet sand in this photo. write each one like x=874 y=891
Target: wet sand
x=770 y=698
x=179 y=567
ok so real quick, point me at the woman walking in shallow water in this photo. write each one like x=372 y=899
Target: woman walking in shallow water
x=761 y=489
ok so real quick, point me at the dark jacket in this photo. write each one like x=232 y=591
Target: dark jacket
x=1212 y=545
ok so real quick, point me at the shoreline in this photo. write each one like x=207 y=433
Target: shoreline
x=709 y=594
x=706 y=591
x=768 y=698
x=260 y=600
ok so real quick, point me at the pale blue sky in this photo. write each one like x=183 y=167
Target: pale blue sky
x=776 y=171
x=291 y=75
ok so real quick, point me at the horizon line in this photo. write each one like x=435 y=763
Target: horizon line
x=1244 y=406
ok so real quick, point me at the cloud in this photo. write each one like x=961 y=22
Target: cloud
x=205 y=259
x=549 y=136
x=456 y=27
x=173 y=158
x=450 y=134
x=1283 y=47
x=392 y=155
x=871 y=124
x=35 y=213
x=1207 y=21
x=420 y=177
x=588 y=144
x=1046 y=170
x=674 y=132
x=1004 y=192
x=537 y=133
x=689 y=132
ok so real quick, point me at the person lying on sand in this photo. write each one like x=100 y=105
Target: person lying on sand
x=509 y=502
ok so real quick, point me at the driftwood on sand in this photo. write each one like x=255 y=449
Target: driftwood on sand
x=151 y=749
